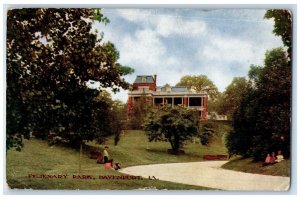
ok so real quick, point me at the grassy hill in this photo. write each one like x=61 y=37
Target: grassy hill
x=282 y=168
x=38 y=158
x=134 y=149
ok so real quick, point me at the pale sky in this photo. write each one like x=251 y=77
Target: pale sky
x=218 y=43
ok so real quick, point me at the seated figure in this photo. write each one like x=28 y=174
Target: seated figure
x=108 y=165
x=268 y=159
x=279 y=157
x=273 y=158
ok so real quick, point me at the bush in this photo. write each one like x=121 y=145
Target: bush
x=207 y=133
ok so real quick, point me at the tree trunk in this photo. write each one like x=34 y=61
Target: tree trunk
x=176 y=143
x=80 y=156
x=172 y=144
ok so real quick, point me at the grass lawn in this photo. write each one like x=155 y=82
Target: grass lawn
x=247 y=165
x=37 y=158
x=134 y=149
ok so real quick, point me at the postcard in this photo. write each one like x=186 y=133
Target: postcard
x=148 y=99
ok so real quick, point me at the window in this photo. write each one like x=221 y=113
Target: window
x=158 y=101
x=177 y=100
x=168 y=100
x=195 y=101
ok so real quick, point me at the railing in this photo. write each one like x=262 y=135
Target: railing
x=196 y=107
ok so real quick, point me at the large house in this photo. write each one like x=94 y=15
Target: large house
x=173 y=95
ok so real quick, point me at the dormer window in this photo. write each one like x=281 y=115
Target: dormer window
x=144 y=80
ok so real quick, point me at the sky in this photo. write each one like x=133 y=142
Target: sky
x=172 y=43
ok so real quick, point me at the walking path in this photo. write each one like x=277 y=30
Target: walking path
x=209 y=174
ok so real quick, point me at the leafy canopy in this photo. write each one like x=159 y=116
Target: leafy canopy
x=201 y=83
x=231 y=98
x=51 y=55
x=262 y=121
x=171 y=124
x=282 y=26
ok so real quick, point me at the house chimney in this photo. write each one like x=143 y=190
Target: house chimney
x=155 y=76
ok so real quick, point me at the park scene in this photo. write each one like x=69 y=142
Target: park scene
x=148 y=99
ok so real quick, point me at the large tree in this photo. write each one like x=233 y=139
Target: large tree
x=262 y=121
x=51 y=55
x=274 y=103
x=201 y=83
x=171 y=124
x=231 y=98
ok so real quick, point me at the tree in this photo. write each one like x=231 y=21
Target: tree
x=240 y=140
x=206 y=134
x=231 y=98
x=109 y=117
x=262 y=121
x=254 y=74
x=118 y=119
x=282 y=27
x=138 y=112
x=171 y=124
x=274 y=104
x=51 y=55
x=201 y=83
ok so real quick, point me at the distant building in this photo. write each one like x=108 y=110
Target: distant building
x=160 y=95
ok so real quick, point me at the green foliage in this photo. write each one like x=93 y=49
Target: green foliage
x=282 y=26
x=118 y=119
x=231 y=98
x=255 y=73
x=207 y=133
x=139 y=112
x=262 y=121
x=51 y=55
x=125 y=70
x=98 y=16
x=201 y=83
x=239 y=141
x=109 y=117
x=171 y=124
x=213 y=105
x=38 y=158
x=15 y=141
x=274 y=104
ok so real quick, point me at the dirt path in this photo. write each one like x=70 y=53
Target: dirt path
x=209 y=174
